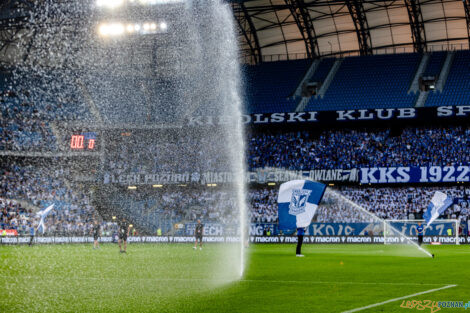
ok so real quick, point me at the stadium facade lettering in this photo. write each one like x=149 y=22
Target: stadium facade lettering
x=359 y=115
x=260 y=176
x=414 y=174
x=366 y=175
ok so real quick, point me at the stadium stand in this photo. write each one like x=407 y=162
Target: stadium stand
x=73 y=213
x=362 y=82
x=359 y=148
x=322 y=70
x=378 y=81
x=457 y=87
x=385 y=202
x=435 y=63
x=21 y=128
x=269 y=85
x=42 y=186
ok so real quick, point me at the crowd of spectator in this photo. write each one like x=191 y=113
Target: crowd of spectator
x=41 y=186
x=390 y=203
x=21 y=128
x=300 y=150
x=159 y=153
x=74 y=215
x=25 y=116
x=348 y=149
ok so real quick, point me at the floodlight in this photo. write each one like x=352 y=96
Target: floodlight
x=153 y=26
x=109 y=3
x=163 y=26
x=114 y=29
x=103 y=30
x=130 y=28
x=146 y=26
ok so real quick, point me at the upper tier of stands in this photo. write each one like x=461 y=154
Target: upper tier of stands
x=457 y=87
x=269 y=85
x=380 y=81
x=377 y=81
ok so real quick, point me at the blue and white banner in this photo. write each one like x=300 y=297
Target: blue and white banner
x=414 y=174
x=42 y=215
x=439 y=203
x=340 y=116
x=260 y=175
x=297 y=203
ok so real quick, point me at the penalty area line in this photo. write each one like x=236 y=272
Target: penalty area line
x=398 y=299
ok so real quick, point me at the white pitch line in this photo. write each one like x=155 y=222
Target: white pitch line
x=397 y=299
x=308 y=282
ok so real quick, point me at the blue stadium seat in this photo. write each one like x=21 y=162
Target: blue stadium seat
x=457 y=87
x=377 y=81
x=269 y=85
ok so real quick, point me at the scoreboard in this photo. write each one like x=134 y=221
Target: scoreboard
x=85 y=141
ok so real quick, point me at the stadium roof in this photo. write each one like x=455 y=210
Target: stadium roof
x=293 y=29
x=281 y=29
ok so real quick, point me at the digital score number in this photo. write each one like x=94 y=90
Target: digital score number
x=84 y=141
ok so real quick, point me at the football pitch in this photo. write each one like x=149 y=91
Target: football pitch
x=176 y=278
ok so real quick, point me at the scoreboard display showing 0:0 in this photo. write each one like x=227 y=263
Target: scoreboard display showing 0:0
x=83 y=141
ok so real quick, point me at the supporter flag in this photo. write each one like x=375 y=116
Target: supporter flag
x=42 y=214
x=297 y=202
x=439 y=203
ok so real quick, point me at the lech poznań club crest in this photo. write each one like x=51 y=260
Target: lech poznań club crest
x=298 y=201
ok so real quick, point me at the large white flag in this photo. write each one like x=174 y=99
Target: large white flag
x=42 y=214
x=439 y=203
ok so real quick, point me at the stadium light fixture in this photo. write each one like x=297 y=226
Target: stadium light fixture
x=114 y=217
x=132 y=187
x=271 y=184
x=157 y=186
x=112 y=29
x=111 y=4
x=117 y=29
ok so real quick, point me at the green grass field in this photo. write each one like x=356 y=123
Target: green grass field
x=175 y=278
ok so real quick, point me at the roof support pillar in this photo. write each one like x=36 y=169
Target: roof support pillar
x=417 y=25
x=466 y=4
x=304 y=23
x=246 y=26
x=358 y=15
